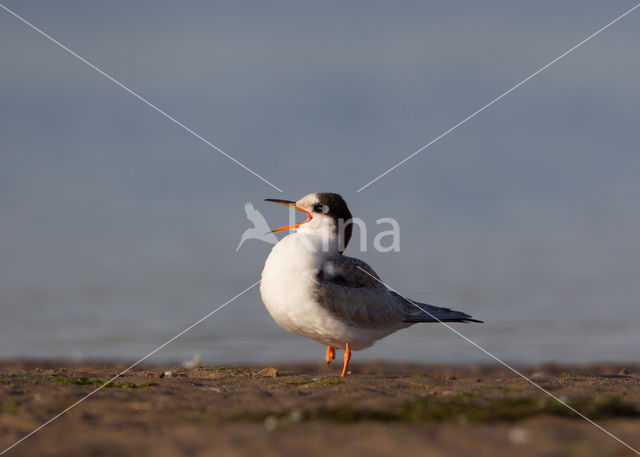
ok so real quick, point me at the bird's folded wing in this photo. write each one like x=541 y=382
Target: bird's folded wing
x=357 y=298
x=348 y=271
x=347 y=292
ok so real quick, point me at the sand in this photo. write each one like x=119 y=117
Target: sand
x=381 y=409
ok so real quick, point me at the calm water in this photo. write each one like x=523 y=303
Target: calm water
x=243 y=332
x=118 y=229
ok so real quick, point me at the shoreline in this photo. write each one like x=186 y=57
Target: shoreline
x=382 y=408
x=597 y=366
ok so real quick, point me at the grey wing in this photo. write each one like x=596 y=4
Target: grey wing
x=356 y=297
x=348 y=271
x=360 y=299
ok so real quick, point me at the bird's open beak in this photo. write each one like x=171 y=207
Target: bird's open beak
x=293 y=205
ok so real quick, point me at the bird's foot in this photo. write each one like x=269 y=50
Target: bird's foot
x=331 y=354
x=347 y=357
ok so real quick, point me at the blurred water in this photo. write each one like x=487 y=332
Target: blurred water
x=244 y=333
x=118 y=228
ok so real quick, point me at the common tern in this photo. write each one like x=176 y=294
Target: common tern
x=312 y=289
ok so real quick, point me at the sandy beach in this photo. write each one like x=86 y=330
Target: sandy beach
x=306 y=409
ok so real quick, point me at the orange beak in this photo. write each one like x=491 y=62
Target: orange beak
x=293 y=205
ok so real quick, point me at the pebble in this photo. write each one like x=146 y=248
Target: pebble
x=269 y=372
x=270 y=423
x=519 y=435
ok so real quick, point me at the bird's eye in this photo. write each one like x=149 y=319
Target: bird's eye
x=320 y=208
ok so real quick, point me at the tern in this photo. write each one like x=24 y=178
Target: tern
x=312 y=289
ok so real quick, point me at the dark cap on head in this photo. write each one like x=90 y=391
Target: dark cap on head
x=333 y=205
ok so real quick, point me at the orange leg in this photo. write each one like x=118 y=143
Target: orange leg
x=331 y=354
x=347 y=357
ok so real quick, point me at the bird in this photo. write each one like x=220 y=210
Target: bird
x=310 y=288
x=257 y=232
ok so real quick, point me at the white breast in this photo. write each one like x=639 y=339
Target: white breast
x=287 y=292
x=286 y=287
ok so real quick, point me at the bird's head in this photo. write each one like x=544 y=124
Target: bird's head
x=326 y=213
